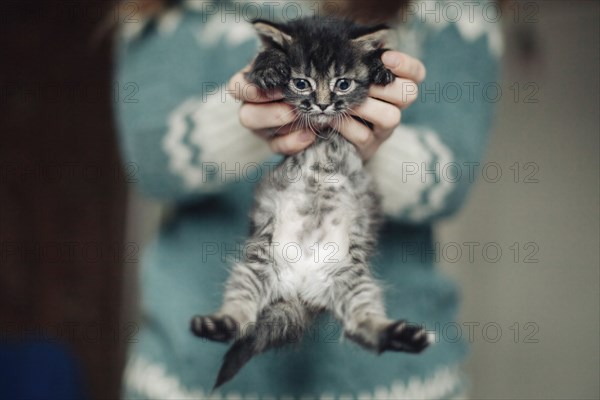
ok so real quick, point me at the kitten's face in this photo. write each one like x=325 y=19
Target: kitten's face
x=324 y=95
x=325 y=67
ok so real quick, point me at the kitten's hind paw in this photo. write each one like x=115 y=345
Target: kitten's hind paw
x=401 y=336
x=219 y=328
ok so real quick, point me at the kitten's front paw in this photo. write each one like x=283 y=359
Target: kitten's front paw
x=277 y=75
x=220 y=328
x=400 y=336
x=383 y=76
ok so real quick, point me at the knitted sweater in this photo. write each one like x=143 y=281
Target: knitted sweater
x=182 y=134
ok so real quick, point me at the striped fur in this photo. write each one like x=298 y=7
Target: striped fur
x=315 y=220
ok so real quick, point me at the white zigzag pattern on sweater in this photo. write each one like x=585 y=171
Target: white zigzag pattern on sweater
x=472 y=21
x=399 y=168
x=210 y=126
x=152 y=381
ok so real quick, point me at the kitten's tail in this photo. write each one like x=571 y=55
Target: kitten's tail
x=278 y=324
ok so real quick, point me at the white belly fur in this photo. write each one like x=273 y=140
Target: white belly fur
x=305 y=258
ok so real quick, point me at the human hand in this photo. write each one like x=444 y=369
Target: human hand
x=263 y=114
x=267 y=117
x=383 y=108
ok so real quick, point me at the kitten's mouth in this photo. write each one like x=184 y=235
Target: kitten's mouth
x=321 y=118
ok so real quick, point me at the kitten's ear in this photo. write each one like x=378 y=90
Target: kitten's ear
x=373 y=38
x=271 y=33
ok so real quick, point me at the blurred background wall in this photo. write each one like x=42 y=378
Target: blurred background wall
x=531 y=311
x=543 y=291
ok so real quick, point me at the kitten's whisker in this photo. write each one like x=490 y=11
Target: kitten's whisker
x=311 y=127
x=316 y=131
x=347 y=115
x=340 y=119
x=285 y=115
x=288 y=112
x=297 y=122
x=291 y=123
x=294 y=108
x=305 y=122
x=364 y=121
x=300 y=123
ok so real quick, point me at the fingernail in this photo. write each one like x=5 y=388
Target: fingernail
x=391 y=58
x=305 y=136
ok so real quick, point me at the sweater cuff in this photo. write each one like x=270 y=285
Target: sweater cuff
x=406 y=169
x=222 y=138
x=207 y=146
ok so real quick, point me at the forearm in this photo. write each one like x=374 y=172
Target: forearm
x=181 y=132
x=425 y=169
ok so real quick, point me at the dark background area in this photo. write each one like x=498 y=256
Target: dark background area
x=62 y=190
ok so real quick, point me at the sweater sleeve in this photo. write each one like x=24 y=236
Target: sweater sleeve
x=179 y=129
x=426 y=167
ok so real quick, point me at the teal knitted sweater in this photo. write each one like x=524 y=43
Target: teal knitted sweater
x=181 y=131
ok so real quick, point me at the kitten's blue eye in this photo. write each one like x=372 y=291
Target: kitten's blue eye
x=343 y=85
x=301 y=84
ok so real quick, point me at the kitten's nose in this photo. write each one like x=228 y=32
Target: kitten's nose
x=323 y=106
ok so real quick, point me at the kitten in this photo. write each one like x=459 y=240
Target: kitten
x=315 y=220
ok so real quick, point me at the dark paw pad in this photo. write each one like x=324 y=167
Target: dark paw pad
x=401 y=336
x=217 y=328
x=383 y=76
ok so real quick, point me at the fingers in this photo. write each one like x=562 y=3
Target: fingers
x=401 y=93
x=262 y=114
x=357 y=133
x=270 y=133
x=383 y=107
x=361 y=136
x=256 y=116
x=292 y=142
x=242 y=90
x=382 y=115
x=404 y=66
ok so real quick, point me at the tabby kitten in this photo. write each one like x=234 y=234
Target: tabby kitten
x=321 y=203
